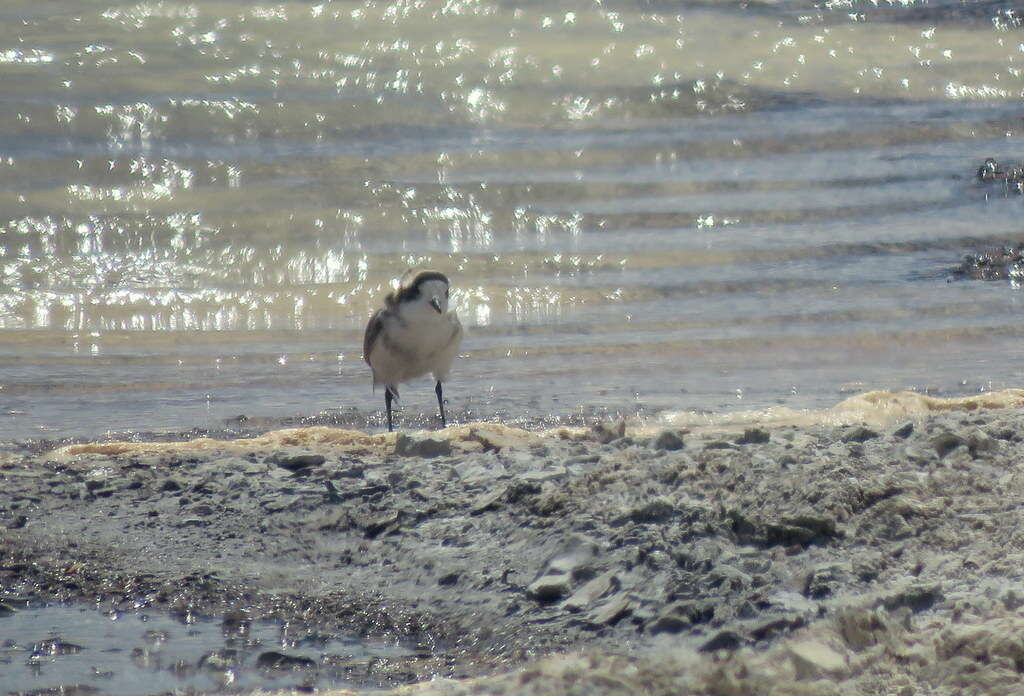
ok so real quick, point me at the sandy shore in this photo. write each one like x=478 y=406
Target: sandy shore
x=877 y=548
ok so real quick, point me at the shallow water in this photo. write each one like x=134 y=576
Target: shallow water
x=64 y=649
x=643 y=205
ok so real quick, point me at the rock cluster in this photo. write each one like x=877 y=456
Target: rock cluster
x=820 y=555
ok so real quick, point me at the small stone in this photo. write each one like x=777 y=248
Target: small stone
x=606 y=432
x=612 y=612
x=814 y=659
x=422 y=446
x=776 y=626
x=374 y=525
x=301 y=461
x=904 y=431
x=859 y=433
x=753 y=436
x=723 y=640
x=170 y=485
x=823 y=581
x=220 y=660
x=680 y=616
x=653 y=512
x=592 y=591
x=668 y=440
x=979 y=442
x=944 y=443
x=668 y=623
x=191 y=522
x=917 y=597
x=448 y=579
x=549 y=588
x=275 y=660
x=488 y=501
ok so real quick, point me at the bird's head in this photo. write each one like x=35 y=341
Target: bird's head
x=426 y=287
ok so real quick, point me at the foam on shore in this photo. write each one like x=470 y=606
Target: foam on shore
x=876 y=409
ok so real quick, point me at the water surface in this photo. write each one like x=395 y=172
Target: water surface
x=66 y=649
x=642 y=205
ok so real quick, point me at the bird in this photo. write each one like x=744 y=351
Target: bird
x=413 y=334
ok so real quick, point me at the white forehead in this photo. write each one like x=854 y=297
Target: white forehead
x=433 y=288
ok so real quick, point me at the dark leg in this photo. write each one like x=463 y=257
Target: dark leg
x=387 y=405
x=440 y=404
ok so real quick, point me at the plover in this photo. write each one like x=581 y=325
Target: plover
x=412 y=335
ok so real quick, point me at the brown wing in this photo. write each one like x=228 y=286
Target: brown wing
x=373 y=329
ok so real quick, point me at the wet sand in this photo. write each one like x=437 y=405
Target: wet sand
x=869 y=548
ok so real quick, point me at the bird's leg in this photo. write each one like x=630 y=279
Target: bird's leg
x=440 y=403
x=387 y=405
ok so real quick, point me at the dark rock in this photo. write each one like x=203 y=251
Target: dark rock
x=776 y=626
x=448 y=579
x=728 y=578
x=802 y=530
x=991 y=171
x=754 y=436
x=668 y=440
x=824 y=581
x=373 y=525
x=55 y=647
x=679 y=616
x=606 y=432
x=280 y=661
x=668 y=623
x=523 y=489
x=916 y=598
x=723 y=640
x=653 y=512
x=235 y=624
x=301 y=461
x=904 y=431
x=170 y=485
x=980 y=443
x=550 y=588
x=859 y=433
x=944 y=443
x=1001 y=263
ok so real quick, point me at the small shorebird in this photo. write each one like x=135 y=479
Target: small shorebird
x=412 y=335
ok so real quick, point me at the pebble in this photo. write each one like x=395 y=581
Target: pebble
x=593 y=590
x=425 y=446
x=668 y=440
x=815 y=660
x=301 y=461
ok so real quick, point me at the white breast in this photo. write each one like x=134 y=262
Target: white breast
x=414 y=343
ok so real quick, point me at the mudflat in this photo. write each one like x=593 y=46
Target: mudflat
x=883 y=556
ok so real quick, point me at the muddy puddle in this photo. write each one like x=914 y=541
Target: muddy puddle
x=79 y=650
